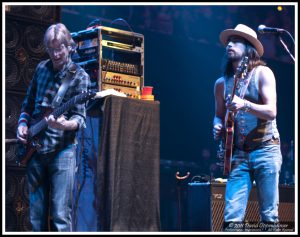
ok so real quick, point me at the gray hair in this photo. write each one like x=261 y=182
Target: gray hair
x=60 y=33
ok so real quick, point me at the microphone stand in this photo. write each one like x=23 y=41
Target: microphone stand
x=284 y=45
x=179 y=211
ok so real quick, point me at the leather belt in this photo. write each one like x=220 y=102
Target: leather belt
x=272 y=141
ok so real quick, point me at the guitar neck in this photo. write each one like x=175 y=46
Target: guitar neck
x=233 y=88
x=36 y=128
x=65 y=107
x=42 y=124
x=240 y=73
x=229 y=118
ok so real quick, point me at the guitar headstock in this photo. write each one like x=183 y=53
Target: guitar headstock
x=85 y=95
x=242 y=68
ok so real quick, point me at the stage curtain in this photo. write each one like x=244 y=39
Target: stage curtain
x=128 y=166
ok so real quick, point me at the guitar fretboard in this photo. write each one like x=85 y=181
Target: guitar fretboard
x=42 y=124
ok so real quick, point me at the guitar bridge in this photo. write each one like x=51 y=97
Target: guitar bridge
x=220 y=151
x=36 y=144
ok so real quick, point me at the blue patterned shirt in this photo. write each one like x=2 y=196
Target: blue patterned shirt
x=41 y=91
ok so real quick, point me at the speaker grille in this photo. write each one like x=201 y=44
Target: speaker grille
x=24 y=50
x=12 y=72
x=16 y=200
x=217 y=215
x=287 y=212
x=286 y=209
x=33 y=36
x=24 y=31
x=12 y=112
x=10 y=220
x=252 y=212
x=44 y=14
x=12 y=36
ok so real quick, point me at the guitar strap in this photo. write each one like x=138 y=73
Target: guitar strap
x=64 y=86
x=243 y=84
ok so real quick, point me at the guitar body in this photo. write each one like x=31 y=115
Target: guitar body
x=229 y=118
x=26 y=151
x=228 y=146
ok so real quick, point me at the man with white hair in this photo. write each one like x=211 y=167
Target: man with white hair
x=51 y=165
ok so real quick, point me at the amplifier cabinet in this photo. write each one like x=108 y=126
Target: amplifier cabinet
x=35 y=13
x=24 y=32
x=206 y=203
x=16 y=200
x=286 y=205
x=199 y=207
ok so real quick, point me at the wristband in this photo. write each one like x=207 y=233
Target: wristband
x=23 y=121
x=247 y=106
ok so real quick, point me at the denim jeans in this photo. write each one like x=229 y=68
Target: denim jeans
x=50 y=181
x=262 y=166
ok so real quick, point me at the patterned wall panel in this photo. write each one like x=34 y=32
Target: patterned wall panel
x=24 y=31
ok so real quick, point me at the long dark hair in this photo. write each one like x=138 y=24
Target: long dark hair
x=254 y=60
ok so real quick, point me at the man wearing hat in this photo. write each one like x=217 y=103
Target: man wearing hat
x=256 y=145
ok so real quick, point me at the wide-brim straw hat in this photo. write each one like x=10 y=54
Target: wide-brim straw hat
x=244 y=32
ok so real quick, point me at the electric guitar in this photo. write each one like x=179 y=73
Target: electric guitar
x=229 y=118
x=36 y=127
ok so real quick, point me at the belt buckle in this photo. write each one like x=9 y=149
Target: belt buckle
x=246 y=147
x=275 y=141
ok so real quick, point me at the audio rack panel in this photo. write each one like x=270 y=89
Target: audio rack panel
x=120 y=79
x=117 y=55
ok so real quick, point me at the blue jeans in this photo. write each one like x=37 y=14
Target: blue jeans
x=50 y=181
x=262 y=166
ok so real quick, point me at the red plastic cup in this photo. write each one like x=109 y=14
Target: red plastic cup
x=147 y=90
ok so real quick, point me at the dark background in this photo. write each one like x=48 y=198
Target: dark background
x=182 y=61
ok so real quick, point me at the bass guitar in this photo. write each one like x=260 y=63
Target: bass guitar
x=35 y=128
